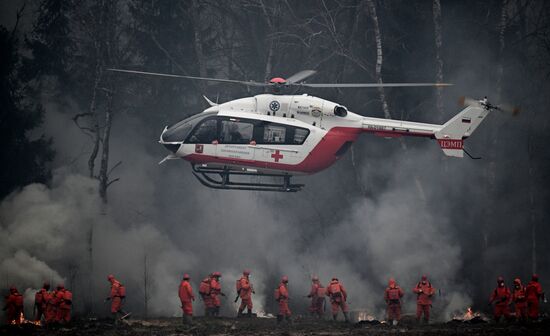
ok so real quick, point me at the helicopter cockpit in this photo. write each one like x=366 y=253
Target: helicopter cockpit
x=174 y=135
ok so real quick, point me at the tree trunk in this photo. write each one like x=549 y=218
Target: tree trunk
x=379 y=57
x=145 y=286
x=502 y=30
x=90 y=296
x=492 y=140
x=271 y=42
x=195 y=14
x=438 y=59
x=95 y=122
x=379 y=61
x=103 y=171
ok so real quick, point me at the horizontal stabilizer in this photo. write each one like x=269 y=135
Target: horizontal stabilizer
x=461 y=126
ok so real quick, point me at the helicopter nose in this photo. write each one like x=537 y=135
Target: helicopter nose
x=172 y=147
x=173 y=136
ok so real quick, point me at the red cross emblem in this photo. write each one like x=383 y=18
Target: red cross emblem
x=277 y=155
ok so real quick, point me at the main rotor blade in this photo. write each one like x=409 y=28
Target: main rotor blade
x=250 y=83
x=300 y=76
x=371 y=85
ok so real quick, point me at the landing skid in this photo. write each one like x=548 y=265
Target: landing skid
x=205 y=177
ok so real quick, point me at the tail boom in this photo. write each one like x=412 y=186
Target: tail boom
x=450 y=136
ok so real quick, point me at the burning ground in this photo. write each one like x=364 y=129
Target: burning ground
x=268 y=326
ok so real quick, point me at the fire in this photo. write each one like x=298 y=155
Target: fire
x=467 y=316
x=22 y=320
x=263 y=314
x=364 y=316
x=470 y=314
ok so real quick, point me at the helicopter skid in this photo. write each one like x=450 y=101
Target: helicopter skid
x=207 y=177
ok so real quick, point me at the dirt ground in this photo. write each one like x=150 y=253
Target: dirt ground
x=264 y=326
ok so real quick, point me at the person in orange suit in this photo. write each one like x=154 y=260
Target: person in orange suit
x=317 y=295
x=534 y=294
x=215 y=293
x=51 y=307
x=338 y=297
x=187 y=297
x=205 y=291
x=117 y=295
x=392 y=296
x=57 y=296
x=501 y=297
x=41 y=299
x=281 y=295
x=64 y=300
x=245 y=291
x=520 y=300
x=13 y=306
x=424 y=293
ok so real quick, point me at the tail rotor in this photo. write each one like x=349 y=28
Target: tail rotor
x=505 y=108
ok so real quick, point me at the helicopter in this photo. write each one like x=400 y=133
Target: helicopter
x=280 y=136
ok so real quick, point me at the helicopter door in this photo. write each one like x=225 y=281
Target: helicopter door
x=236 y=135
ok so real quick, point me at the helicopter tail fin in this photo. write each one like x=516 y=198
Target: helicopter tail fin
x=452 y=134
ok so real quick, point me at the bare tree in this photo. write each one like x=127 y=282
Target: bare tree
x=438 y=59
x=371 y=9
x=146 y=284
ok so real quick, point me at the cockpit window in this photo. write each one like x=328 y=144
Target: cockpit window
x=235 y=131
x=206 y=132
x=180 y=131
x=177 y=132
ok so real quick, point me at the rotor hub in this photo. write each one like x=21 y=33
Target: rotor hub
x=277 y=80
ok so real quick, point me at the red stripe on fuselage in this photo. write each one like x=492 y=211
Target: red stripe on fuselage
x=397 y=133
x=321 y=157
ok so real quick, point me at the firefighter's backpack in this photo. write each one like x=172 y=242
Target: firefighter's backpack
x=204 y=287
x=335 y=291
x=122 y=291
x=321 y=291
x=393 y=294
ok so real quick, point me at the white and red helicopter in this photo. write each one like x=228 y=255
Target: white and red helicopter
x=281 y=136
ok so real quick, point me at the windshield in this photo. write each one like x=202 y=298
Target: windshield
x=179 y=131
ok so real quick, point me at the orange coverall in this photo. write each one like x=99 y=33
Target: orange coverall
x=338 y=297
x=424 y=292
x=284 y=310
x=245 y=294
x=186 y=297
x=392 y=296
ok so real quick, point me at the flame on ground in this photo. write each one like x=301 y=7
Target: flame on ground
x=364 y=316
x=22 y=320
x=262 y=314
x=468 y=315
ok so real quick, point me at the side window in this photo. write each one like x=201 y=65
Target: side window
x=274 y=134
x=206 y=132
x=236 y=132
x=300 y=135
